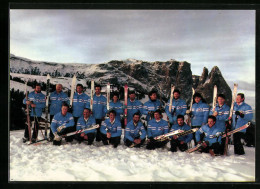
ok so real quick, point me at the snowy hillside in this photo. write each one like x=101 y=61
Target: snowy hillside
x=79 y=162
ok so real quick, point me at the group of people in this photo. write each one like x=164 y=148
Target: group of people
x=210 y=122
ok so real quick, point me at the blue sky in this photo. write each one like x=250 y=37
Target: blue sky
x=223 y=38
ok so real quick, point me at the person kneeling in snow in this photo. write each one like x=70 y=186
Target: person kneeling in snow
x=111 y=130
x=84 y=122
x=212 y=139
x=135 y=133
x=156 y=127
x=180 y=142
x=61 y=124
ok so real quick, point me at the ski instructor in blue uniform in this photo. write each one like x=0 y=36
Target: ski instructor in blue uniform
x=242 y=114
x=36 y=101
x=61 y=124
x=57 y=98
x=133 y=106
x=151 y=105
x=179 y=107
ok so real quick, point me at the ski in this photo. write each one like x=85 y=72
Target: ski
x=171 y=98
x=126 y=94
x=177 y=132
x=230 y=116
x=28 y=114
x=47 y=105
x=197 y=147
x=91 y=94
x=81 y=131
x=188 y=121
x=73 y=85
x=108 y=95
x=236 y=130
x=214 y=101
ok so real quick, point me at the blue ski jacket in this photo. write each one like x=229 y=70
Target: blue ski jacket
x=114 y=128
x=179 y=107
x=39 y=100
x=56 y=100
x=99 y=106
x=199 y=114
x=84 y=124
x=118 y=107
x=223 y=113
x=156 y=128
x=150 y=106
x=185 y=127
x=134 y=131
x=238 y=121
x=80 y=101
x=209 y=133
x=133 y=107
x=59 y=120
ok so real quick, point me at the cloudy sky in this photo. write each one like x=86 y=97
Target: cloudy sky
x=223 y=38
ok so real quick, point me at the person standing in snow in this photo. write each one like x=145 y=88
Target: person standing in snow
x=36 y=101
x=199 y=113
x=156 y=127
x=116 y=105
x=84 y=122
x=57 y=98
x=133 y=106
x=135 y=133
x=210 y=142
x=221 y=113
x=242 y=114
x=80 y=101
x=62 y=123
x=111 y=130
x=151 y=105
x=179 y=107
x=180 y=142
x=99 y=109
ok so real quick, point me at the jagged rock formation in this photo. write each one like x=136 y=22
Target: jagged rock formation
x=140 y=75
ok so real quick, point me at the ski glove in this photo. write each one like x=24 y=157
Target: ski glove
x=240 y=114
x=60 y=129
x=57 y=137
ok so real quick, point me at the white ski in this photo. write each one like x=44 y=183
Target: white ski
x=108 y=95
x=214 y=102
x=73 y=85
x=92 y=94
x=171 y=98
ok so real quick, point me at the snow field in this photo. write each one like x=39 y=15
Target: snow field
x=80 y=162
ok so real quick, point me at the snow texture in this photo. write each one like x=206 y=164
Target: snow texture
x=80 y=162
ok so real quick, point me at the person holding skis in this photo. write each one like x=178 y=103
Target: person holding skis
x=116 y=105
x=135 y=133
x=199 y=113
x=111 y=130
x=221 y=113
x=242 y=114
x=86 y=121
x=212 y=140
x=62 y=123
x=99 y=109
x=180 y=142
x=133 y=106
x=36 y=101
x=57 y=98
x=156 y=127
x=151 y=105
x=179 y=107
x=80 y=101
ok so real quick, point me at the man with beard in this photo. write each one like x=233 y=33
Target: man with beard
x=36 y=102
x=135 y=133
x=151 y=105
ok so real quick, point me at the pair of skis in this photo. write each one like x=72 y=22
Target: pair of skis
x=177 y=132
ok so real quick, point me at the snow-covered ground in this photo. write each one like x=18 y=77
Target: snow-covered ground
x=80 y=162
